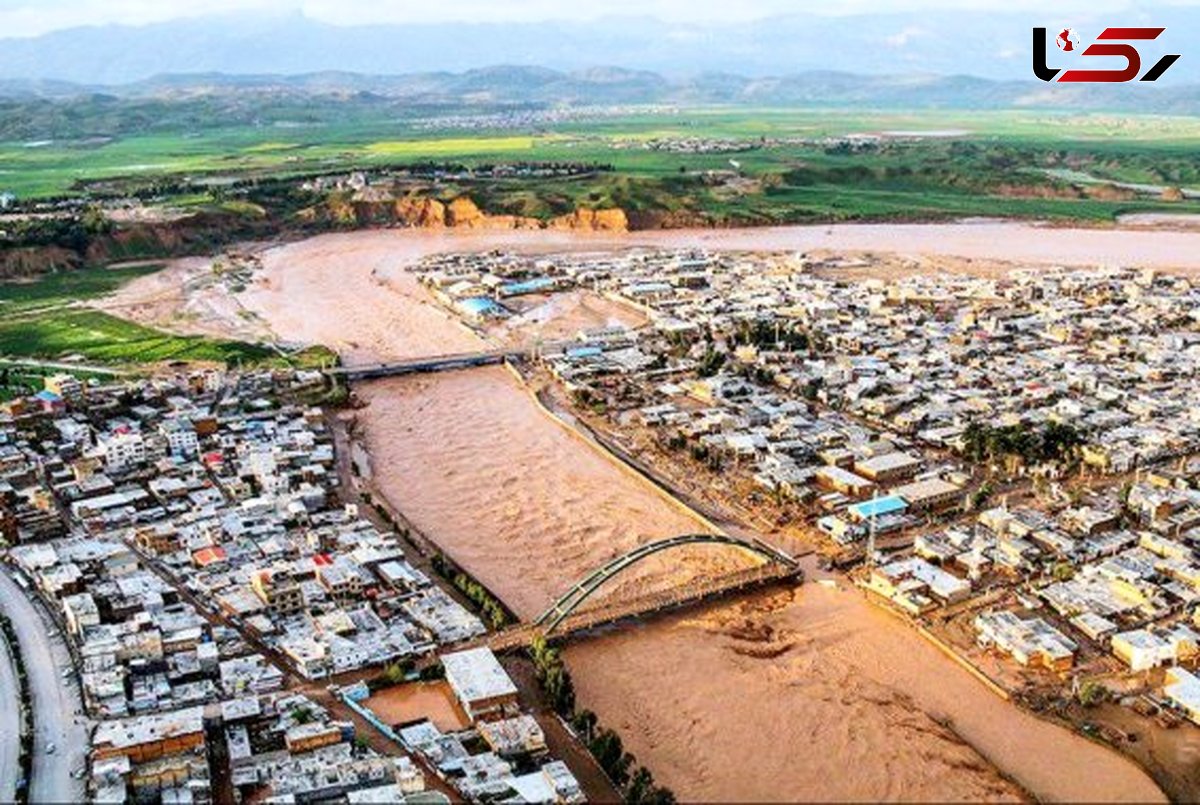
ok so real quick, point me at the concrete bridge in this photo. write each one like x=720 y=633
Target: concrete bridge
x=435 y=363
x=442 y=363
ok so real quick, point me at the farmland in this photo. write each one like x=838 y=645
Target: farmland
x=787 y=165
x=47 y=319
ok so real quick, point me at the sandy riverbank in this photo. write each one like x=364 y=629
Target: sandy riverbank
x=809 y=695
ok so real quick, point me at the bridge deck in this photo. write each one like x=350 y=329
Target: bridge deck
x=433 y=363
x=578 y=623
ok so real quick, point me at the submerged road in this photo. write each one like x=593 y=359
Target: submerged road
x=55 y=699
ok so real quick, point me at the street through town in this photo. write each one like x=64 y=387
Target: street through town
x=56 y=702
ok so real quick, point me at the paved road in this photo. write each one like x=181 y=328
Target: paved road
x=91 y=368
x=10 y=725
x=54 y=700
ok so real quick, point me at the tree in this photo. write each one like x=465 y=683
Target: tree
x=1063 y=571
x=711 y=363
x=610 y=753
x=981 y=496
x=584 y=723
x=641 y=784
x=975 y=441
x=661 y=796
x=1092 y=693
x=431 y=672
x=397 y=672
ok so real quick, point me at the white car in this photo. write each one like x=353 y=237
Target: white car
x=50 y=747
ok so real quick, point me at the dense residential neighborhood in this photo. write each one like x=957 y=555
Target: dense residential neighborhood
x=1009 y=464
x=189 y=535
x=1011 y=459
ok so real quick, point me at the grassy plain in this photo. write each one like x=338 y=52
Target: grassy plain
x=967 y=163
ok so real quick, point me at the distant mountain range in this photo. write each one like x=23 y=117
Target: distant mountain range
x=217 y=98
x=989 y=45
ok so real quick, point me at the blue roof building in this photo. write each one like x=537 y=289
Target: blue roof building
x=480 y=307
x=877 y=507
x=528 y=286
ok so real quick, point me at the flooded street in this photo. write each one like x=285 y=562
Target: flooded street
x=807 y=694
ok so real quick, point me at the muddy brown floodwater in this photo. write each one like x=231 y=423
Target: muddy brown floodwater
x=819 y=695
x=805 y=694
x=512 y=496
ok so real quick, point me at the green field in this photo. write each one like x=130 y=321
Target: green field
x=96 y=336
x=1019 y=164
x=66 y=287
x=40 y=169
x=40 y=320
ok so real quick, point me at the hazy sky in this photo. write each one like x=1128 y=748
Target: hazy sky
x=32 y=17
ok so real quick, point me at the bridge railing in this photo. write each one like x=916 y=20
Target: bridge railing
x=583 y=589
x=640 y=606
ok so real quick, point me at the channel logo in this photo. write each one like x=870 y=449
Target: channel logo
x=1111 y=42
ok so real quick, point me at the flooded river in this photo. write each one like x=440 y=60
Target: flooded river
x=807 y=694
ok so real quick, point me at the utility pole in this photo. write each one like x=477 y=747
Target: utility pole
x=871 y=533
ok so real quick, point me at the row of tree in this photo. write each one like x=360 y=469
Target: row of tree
x=25 y=753
x=489 y=606
x=768 y=334
x=1055 y=441
x=635 y=782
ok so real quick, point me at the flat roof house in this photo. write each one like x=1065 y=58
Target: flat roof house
x=844 y=481
x=481 y=685
x=932 y=493
x=888 y=467
x=1182 y=689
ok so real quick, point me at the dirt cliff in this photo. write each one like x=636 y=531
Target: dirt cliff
x=610 y=220
x=202 y=232
x=30 y=261
x=192 y=234
x=420 y=210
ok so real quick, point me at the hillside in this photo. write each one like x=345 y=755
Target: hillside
x=35 y=110
x=969 y=39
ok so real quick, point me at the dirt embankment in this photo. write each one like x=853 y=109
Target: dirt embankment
x=30 y=261
x=419 y=210
x=73 y=246
x=1099 y=192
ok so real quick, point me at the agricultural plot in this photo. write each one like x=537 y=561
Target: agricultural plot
x=44 y=319
x=778 y=165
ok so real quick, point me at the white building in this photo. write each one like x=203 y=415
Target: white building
x=480 y=683
x=1142 y=649
x=122 y=450
x=1182 y=689
x=181 y=438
